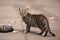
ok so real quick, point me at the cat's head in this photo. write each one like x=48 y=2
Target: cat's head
x=23 y=12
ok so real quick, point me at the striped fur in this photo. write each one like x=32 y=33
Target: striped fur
x=39 y=21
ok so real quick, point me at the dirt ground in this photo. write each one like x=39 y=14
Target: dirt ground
x=9 y=14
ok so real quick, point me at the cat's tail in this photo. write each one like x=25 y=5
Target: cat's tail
x=50 y=30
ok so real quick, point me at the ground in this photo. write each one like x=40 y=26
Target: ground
x=9 y=15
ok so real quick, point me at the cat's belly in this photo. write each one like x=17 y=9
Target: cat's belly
x=33 y=24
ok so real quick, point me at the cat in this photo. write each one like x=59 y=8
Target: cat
x=39 y=21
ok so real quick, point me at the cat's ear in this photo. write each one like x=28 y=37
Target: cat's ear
x=19 y=9
x=27 y=9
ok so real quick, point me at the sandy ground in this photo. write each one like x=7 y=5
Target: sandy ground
x=9 y=14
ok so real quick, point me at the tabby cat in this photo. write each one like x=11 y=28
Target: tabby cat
x=32 y=20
